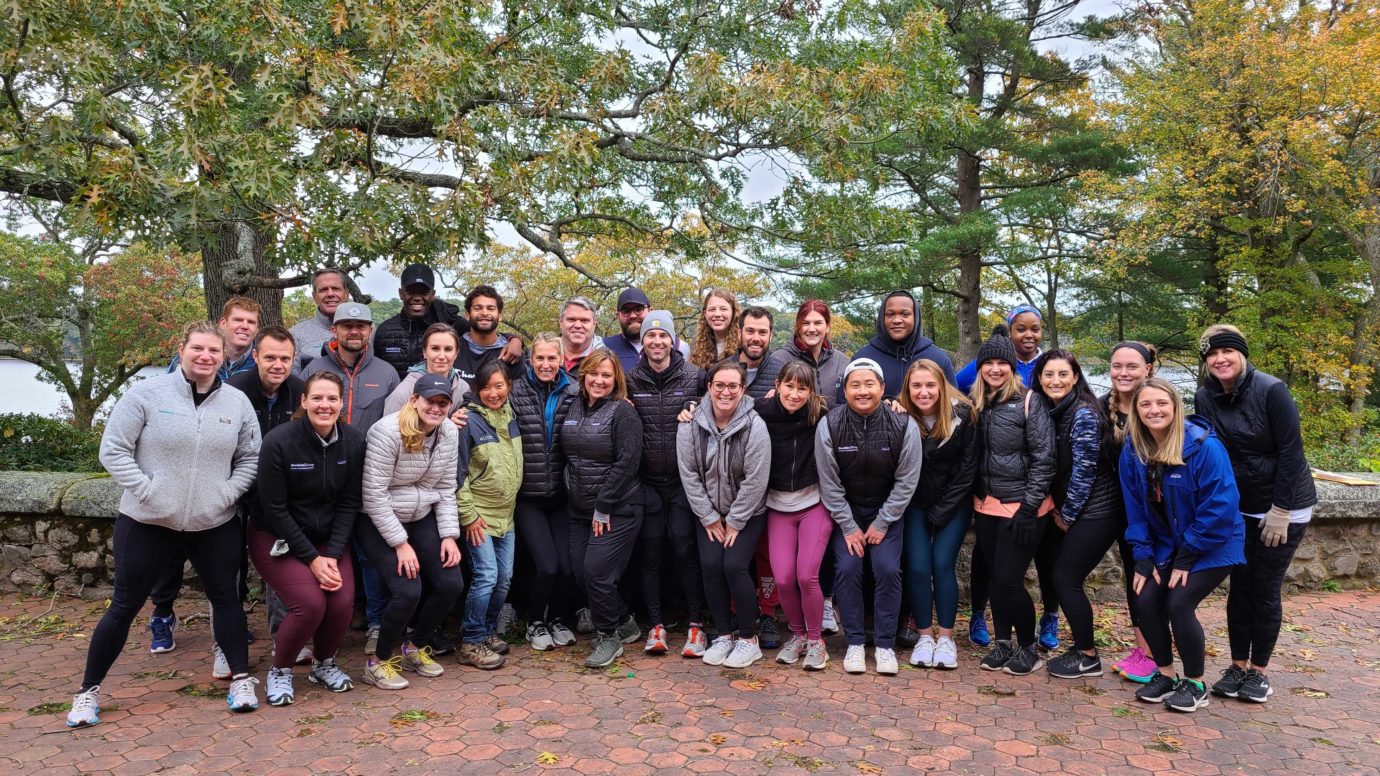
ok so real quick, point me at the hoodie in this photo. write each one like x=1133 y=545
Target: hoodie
x=725 y=471
x=895 y=356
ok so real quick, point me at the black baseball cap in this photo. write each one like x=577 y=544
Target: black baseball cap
x=633 y=295
x=429 y=386
x=418 y=275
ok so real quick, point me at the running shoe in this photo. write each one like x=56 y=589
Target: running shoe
x=923 y=654
x=242 y=696
x=419 y=661
x=607 y=648
x=162 y=629
x=86 y=708
x=695 y=642
x=1255 y=687
x=656 y=641
x=329 y=675
x=1157 y=689
x=855 y=659
x=830 y=625
x=718 y=651
x=1140 y=669
x=767 y=632
x=628 y=630
x=1025 y=660
x=997 y=657
x=561 y=635
x=385 y=674
x=220 y=667
x=909 y=635
x=745 y=653
x=279 y=692
x=1073 y=664
x=1049 y=631
x=977 y=630
x=1229 y=686
x=584 y=622
x=885 y=660
x=304 y=656
x=945 y=653
x=371 y=640
x=1188 y=696
x=539 y=637
x=816 y=656
x=791 y=650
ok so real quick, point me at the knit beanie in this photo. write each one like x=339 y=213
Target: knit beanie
x=660 y=320
x=998 y=346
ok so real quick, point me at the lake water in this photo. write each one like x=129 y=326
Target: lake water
x=24 y=393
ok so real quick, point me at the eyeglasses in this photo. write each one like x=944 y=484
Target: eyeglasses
x=633 y=309
x=725 y=387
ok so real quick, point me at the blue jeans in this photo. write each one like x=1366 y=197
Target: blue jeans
x=886 y=572
x=373 y=590
x=930 y=556
x=491 y=565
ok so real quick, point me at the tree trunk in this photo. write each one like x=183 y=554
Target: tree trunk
x=968 y=178
x=232 y=253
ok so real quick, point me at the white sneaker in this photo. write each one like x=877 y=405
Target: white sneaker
x=329 y=674
x=792 y=650
x=561 y=636
x=718 y=651
x=242 y=696
x=946 y=653
x=220 y=667
x=539 y=637
x=923 y=654
x=855 y=659
x=280 y=687
x=830 y=625
x=885 y=657
x=86 y=708
x=745 y=653
x=305 y=656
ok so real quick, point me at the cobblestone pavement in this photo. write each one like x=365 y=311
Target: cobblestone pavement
x=544 y=712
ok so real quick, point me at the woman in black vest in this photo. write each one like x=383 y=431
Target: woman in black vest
x=1011 y=497
x=1087 y=500
x=869 y=462
x=601 y=440
x=1257 y=420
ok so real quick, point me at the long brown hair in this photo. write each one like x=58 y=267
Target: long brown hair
x=1171 y=453
x=704 y=352
x=802 y=374
x=1113 y=399
x=960 y=408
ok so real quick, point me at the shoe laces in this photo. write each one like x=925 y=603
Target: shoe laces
x=161 y=627
x=540 y=630
x=243 y=686
x=87 y=700
x=423 y=655
x=814 y=648
x=329 y=670
x=390 y=668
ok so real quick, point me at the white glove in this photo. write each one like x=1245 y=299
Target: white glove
x=1274 y=529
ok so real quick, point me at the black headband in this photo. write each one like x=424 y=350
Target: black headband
x=1222 y=339
x=1139 y=348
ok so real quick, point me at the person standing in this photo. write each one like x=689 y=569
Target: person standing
x=899 y=342
x=440 y=348
x=578 y=339
x=328 y=290
x=716 y=330
x=754 y=345
x=158 y=427
x=239 y=322
x=483 y=342
x=398 y=340
x=368 y=381
x=810 y=343
x=1258 y=422
x=1184 y=524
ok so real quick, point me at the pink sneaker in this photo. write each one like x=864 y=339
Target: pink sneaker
x=1139 y=668
x=1121 y=664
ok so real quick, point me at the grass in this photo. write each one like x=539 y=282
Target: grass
x=412 y=717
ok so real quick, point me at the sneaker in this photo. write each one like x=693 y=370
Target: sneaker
x=816 y=656
x=479 y=655
x=419 y=661
x=561 y=634
x=220 y=667
x=305 y=657
x=242 y=697
x=695 y=642
x=280 y=687
x=945 y=653
x=1141 y=669
x=923 y=654
x=909 y=635
x=1025 y=660
x=539 y=637
x=745 y=653
x=328 y=674
x=656 y=641
x=584 y=623
x=830 y=625
x=885 y=658
x=791 y=650
x=607 y=648
x=507 y=620
x=1073 y=664
x=855 y=659
x=440 y=645
x=718 y=651
x=162 y=629
x=371 y=640
x=995 y=660
x=86 y=708
x=385 y=674
x=767 y=633
x=1120 y=665
x=1188 y=696
x=977 y=630
x=1229 y=686
x=628 y=631
x=1255 y=687
x=1049 y=631
x=496 y=644
x=1157 y=689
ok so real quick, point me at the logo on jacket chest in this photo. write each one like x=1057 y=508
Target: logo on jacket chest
x=303 y=467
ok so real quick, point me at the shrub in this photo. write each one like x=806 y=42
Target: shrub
x=35 y=443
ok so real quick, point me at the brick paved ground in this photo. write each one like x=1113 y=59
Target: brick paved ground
x=544 y=712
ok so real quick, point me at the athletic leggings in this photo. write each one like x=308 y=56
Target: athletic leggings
x=599 y=562
x=1128 y=573
x=1084 y=546
x=931 y=552
x=314 y=615
x=728 y=587
x=979 y=580
x=141 y=560
x=1254 y=608
x=443 y=585
x=1162 y=609
x=543 y=526
x=1046 y=556
x=670 y=520
x=797 y=541
x=1012 y=607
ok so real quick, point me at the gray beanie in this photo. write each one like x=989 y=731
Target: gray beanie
x=662 y=320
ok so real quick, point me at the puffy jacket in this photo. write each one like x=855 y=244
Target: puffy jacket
x=828 y=370
x=540 y=409
x=309 y=493
x=950 y=466
x=968 y=375
x=658 y=398
x=725 y=470
x=402 y=487
x=367 y=384
x=895 y=357
x=1085 y=485
x=760 y=383
x=398 y=340
x=868 y=466
x=1201 y=504
x=792 y=446
x=1259 y=424
x=602 y=446
x=490 y=468
x=1018 y=458
x=285 y=401
x=459 y=389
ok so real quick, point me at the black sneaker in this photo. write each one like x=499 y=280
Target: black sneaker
x=1074 y=664
x=1230 y=683
x=1188 y=696
x=1024 y=660
x=628 y=632
x=768 y=637
x=1157 y=689
x=607 y=648
x=440 y=645
x=1255 y=687
x=996 y=659
x=909 y=635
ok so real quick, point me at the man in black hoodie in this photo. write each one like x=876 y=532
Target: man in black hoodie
x=899 y=342
x=398 y=340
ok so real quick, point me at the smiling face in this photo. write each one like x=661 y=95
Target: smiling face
x=657 y=345
x=240 y=327
x=718 y=313
x=792 y=394
x=599 y=382
x=274 y=359
x=725 y=391
x=1155 y=408
x=201 y=356
x=898 y=318
x=431 y=412
x=1027 y=332
x=494 y=394
x=353 y=336
x=994 y=373
x=630 y=318
x=484 y=315
x=439 y=353
x=754 y=337
x=328 y=291
x=863 y=391
x=1128 y=369
x=1226 y=364
x=321 y=401
x=577 y=327
x=925 y=391
x=1057 y=379
x=813 y=330
x=546 y=361
x=416 y=298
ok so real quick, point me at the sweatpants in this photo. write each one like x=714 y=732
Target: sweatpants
x=668 y=519
x=931 y=554
x=1085 y=544
x=1162 y=610
x=545 y=527
x=141 y=560
x=599 y=562
x=1254 y=609
x=728 y=586
x=1012 y=607
x=313 y=615
x=797 y=542
x=886 y=597
x=443 y=585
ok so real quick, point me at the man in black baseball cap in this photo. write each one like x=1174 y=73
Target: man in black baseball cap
x=633 y=305
x=398 y=340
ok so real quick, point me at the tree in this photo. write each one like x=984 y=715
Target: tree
x=89 y=323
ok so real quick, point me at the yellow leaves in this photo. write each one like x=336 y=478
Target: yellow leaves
x=548 y=758
x=866 y=767
x=718 y=739
x=340 y=19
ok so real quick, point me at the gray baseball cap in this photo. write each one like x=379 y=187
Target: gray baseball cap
x=353 y=311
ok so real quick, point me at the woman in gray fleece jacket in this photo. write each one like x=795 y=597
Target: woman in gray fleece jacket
x=724 y=456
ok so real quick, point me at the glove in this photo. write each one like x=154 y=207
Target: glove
x=1185 y=558
x=1145 y=568
x=600 y=517
x=1274 y=529
x=1023 y=526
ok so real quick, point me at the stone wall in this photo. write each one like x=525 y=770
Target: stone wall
x=56 y=535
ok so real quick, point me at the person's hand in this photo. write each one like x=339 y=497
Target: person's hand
x=894 y=406
x=688 y=414
x=1177 y=577
x=770 y=394
x=460 y=417
x=1274 y=528
x=600 y=524
x=512 y=351
x=474 y=532
x=855 y=544
x=730 y=536
x=1138 y=582
x=407 y=560
x=1024 y=526
x=327 y=573
x=716 y=531
x=1059 y=521
x=450 y=553
x=872 y=535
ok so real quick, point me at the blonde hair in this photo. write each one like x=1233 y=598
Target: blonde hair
x=703 y=353
x=548 y=338
x=202 y=327
x=1149 y=451
x=949 y=396
x=1009 y=390
x=410 y=424
x=1113 y=398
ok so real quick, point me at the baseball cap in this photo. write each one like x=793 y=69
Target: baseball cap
x=429 y=386
x=353 y=311
x=418 y=275
x=864 y=364
x=633 y=295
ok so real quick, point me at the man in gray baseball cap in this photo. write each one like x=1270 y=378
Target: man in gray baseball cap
x=368 y=381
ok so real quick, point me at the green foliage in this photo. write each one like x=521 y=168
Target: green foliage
x=36 y=443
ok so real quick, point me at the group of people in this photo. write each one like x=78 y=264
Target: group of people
x=372 y=473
